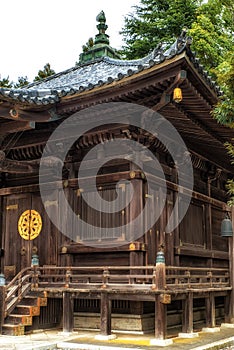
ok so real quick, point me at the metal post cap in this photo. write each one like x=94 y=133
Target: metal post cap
x=2 y=280
x=160 y=258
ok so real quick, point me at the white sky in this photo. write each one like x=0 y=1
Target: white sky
x=36 y=32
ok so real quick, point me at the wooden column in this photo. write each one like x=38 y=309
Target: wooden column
x=105 y=321
x=2 y=306
x=160 y=307
x=68 y=317
x=187 y=326
x=210 y=310
x=135 y=208
x=160 y=318
x=208 y=234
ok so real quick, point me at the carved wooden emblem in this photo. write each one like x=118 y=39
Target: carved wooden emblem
x=29 y=224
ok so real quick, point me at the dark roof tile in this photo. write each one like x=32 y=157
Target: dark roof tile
x=97 y=73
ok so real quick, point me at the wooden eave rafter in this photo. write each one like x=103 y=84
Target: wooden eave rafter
x=198 y=136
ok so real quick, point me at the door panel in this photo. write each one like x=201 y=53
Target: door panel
x=20 y=248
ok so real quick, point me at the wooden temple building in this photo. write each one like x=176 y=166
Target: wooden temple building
x=162 y=282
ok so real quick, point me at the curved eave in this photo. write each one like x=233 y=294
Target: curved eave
x=142 y=79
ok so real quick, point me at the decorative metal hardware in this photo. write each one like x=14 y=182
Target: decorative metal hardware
x=29 y=224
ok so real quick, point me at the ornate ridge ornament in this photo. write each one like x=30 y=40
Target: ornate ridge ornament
x=29 y=224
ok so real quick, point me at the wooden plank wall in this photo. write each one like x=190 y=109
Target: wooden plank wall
x=194 y=236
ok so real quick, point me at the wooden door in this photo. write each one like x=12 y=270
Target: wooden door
x=22 y=225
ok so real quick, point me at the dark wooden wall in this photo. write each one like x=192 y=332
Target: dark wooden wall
x=195 y=242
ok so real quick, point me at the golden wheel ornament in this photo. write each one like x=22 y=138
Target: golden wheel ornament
x=29 y=224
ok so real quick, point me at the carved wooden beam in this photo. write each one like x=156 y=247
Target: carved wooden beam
x=16 y=167
x=15 y=126
x=18 y=114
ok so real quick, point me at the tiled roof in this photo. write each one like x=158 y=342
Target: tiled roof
x=96 y=73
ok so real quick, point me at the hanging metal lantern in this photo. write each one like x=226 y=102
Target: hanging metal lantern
x=2 y=280
x=35 y=260
x=226 y=227
x=177 y=95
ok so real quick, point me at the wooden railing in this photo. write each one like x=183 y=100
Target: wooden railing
x=18 y=287
x=177 y=279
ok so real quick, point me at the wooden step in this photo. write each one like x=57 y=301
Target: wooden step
x=29 y=300
x=15 y=319
x=35 y=293
x=12 y=329
x=27 y=310
x=43 y=301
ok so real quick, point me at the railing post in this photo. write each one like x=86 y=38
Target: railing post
x=2 y=305
x=105 y=278
x=35 y=276
x=68 y=278
x=188 y=276
x=160 y=272
x=210 y=278
x=20 y=286
x=159 y=284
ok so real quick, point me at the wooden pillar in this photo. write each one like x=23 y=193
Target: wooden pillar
x=187 y=326
x=105 y=321
x=68 y=317
x=210 y=310
x=160 y=307
x=160 y=318
x=2 y=306
x=208 y=226
x=227 y=308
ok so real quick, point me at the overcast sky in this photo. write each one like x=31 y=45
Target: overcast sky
x=36 y=32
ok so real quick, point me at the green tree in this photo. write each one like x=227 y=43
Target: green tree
x=156 y=21
x=5 y=82
x=230 y=183
x=224 y=110
x=210 y=24
x=212 y=33
x=22 y=82
x=46 y=72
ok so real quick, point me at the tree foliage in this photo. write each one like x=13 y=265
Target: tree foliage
x=22 y=82
x=156 y=21
x=46 y=72
x=210 y=24
x=212 y=34
x=5 y=82
x=230 y=183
